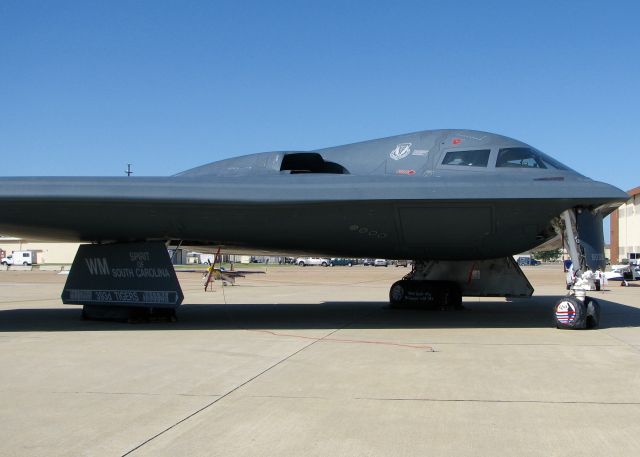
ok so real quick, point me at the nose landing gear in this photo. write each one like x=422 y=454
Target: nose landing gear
x=571 y=313
x=584 y=240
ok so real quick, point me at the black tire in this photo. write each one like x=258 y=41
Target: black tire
x=25 y=263
x=350 y=264
x=325 y=264
x=396 y=294
x=302 y=264
x=570 y=314
x=593 y=313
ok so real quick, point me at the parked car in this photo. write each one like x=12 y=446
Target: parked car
x=380 y=263
x=306 y=261
x=367 y=262
x=347 y=262
x=401 y=263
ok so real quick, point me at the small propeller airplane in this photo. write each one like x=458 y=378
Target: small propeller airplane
x=222 y=274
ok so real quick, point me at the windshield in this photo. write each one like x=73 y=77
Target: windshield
x=526 y=158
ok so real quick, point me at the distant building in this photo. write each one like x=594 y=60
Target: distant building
x=63 y=253
x=52 y=253
x=625 y=229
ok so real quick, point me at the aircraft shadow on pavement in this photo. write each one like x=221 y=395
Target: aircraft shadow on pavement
x=519 y=313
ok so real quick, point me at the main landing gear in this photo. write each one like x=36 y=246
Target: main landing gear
x=441 y=284
x=438 y=295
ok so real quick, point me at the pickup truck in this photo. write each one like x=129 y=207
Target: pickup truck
x=525 y=261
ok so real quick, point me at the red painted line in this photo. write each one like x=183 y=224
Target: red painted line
x=339 y=340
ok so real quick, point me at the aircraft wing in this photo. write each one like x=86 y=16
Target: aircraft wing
x=336 y=215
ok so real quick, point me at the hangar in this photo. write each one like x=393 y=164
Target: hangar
x=625 y=229
x=51 y=253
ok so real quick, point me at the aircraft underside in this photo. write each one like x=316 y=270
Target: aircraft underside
x=420 y=230
x=116 y=279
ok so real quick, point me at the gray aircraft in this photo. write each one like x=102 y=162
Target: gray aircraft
x=459 y=203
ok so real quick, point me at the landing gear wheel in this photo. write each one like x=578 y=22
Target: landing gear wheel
x=396 y=294
x=593 y=313
x=570 y=314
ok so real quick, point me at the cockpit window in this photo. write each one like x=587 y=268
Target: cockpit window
x=526 y=158
x=551 y=162
x=519 y=158
x=473 y=158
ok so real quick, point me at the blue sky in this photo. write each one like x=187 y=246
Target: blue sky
x=89 y=86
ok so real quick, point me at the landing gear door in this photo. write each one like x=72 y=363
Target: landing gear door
x=123 y=274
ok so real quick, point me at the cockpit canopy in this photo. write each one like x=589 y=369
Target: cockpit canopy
x=510 y=157
x=413 y=154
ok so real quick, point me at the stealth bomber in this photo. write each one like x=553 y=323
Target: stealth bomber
x=459 y=203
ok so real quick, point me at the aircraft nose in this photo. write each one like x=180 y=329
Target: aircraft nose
x=610 y=196
x=616 y=192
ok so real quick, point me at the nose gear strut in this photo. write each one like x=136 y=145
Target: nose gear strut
x=584 y=240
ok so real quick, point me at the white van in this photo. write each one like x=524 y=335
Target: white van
x=20 y=258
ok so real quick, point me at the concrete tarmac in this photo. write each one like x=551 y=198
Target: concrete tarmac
x=311 y=361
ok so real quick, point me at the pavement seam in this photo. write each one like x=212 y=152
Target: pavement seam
x=520 y=344
x=11 y=302
x=461 y=400
x=90 y=392
x=228 y=393
x=626 y=343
